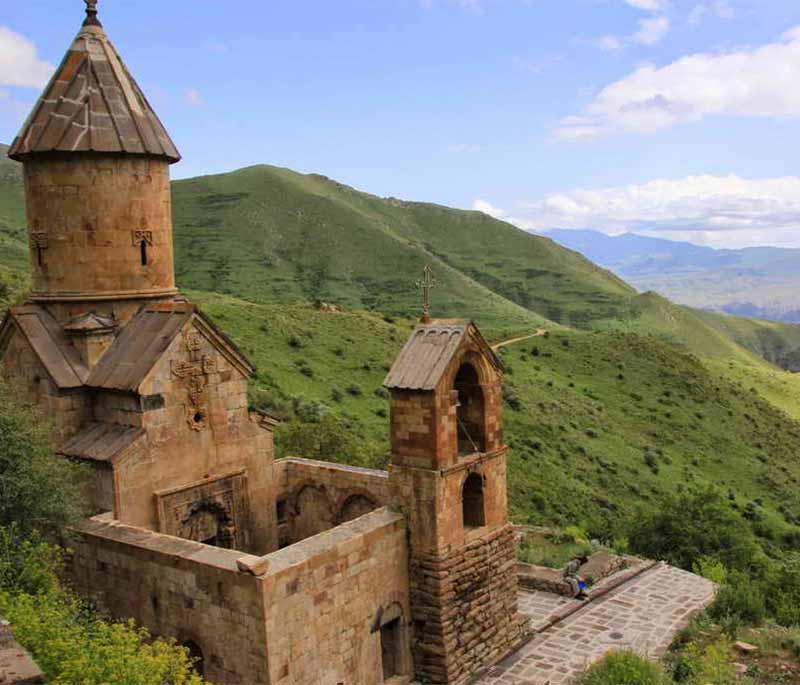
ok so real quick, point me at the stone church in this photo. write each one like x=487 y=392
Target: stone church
x=285 y=571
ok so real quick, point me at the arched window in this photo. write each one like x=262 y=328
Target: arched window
x=355 y=506
x=472 y=502
x=143 y=252
x=470 y=412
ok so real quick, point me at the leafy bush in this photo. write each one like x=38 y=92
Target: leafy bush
x=695 y=525
x=739 y=601
x=38 y=491
x=27 y=565
x=327 y=439
x=71 y=645
x=353 y=390
x=624 y=668
x=711 y=568
x=70 y=642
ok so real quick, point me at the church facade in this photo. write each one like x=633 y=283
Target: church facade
x=285 y=571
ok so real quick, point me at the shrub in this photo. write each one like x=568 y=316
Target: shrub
x=694 y=525
x=328 y=439
x=39 y=491
x=511 y=398
x=739 y=601
x=711 y=568
x=624 y=668
x=353 y=390
x=69 y=641
x=71 y=645
x=336 y=395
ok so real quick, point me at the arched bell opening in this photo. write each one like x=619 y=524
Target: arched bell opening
x=470 y=411
x=473 y=511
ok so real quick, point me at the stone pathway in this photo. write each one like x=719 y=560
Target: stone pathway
x=643 y=614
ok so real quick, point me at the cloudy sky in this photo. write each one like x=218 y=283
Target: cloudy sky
x=679 y=118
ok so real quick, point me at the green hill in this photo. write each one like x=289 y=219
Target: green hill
x=598 y=422
x=269 y=234
x=13 y=241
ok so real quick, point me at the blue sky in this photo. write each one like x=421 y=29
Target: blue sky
x=680 y=118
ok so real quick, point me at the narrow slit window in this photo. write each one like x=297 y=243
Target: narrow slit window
x=143 y=252
x=39 y=256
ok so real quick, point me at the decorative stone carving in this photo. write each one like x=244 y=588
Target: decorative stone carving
x=140 y=235
x=213 y=511
x=194 y=371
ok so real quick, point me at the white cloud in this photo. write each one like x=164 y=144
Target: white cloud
x=193 y=97
x=651 y=31
x=757 y=82
x=722 y=211
x=19 y=62
x=721 y=9
x=488 y=208
x=649 y=5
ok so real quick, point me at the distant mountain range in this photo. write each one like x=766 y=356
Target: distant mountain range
x=761 y=282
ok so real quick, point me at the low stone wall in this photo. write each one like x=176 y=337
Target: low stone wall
x=600 y=565
x=176 y=588
x=465 y=608
x=314 y=496
x=327 y=598
x=316 y=612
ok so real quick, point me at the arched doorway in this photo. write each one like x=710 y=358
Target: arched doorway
x=209 y=522
x=472 y=502
x=355 y=506
x=313 y=513
x=470 y=411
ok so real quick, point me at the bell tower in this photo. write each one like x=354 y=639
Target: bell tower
x=448 y=475
x=96 y=167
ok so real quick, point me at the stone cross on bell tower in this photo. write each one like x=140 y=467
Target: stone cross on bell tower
x=425 y=284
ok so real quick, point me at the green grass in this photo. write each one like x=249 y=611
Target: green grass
x=269 y=234
x=599 y=423
x=602 y=423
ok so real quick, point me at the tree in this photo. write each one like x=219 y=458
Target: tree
x=697 y=525
x=38 y=490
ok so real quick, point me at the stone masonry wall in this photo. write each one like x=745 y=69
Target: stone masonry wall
x=87 y=217
x=182 y=451
x=315 y=495
x=324 y=598
x=176 y=588
x=22 y=370
x=465 y=608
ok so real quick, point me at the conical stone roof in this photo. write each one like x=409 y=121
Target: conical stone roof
x=93 y=104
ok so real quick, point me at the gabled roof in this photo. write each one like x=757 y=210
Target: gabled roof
x=144 y=340
x=101 y=441
x=92 y=104
x=428 y=352
x=46 y=338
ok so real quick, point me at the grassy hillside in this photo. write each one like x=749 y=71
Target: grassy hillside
x=598 y=422
x=13 y=243
x=269 y=234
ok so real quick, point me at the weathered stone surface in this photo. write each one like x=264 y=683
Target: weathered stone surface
x=643 y=614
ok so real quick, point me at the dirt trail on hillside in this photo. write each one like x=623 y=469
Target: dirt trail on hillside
x=511 y=341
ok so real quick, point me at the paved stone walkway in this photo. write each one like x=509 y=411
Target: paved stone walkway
x=643 y=614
